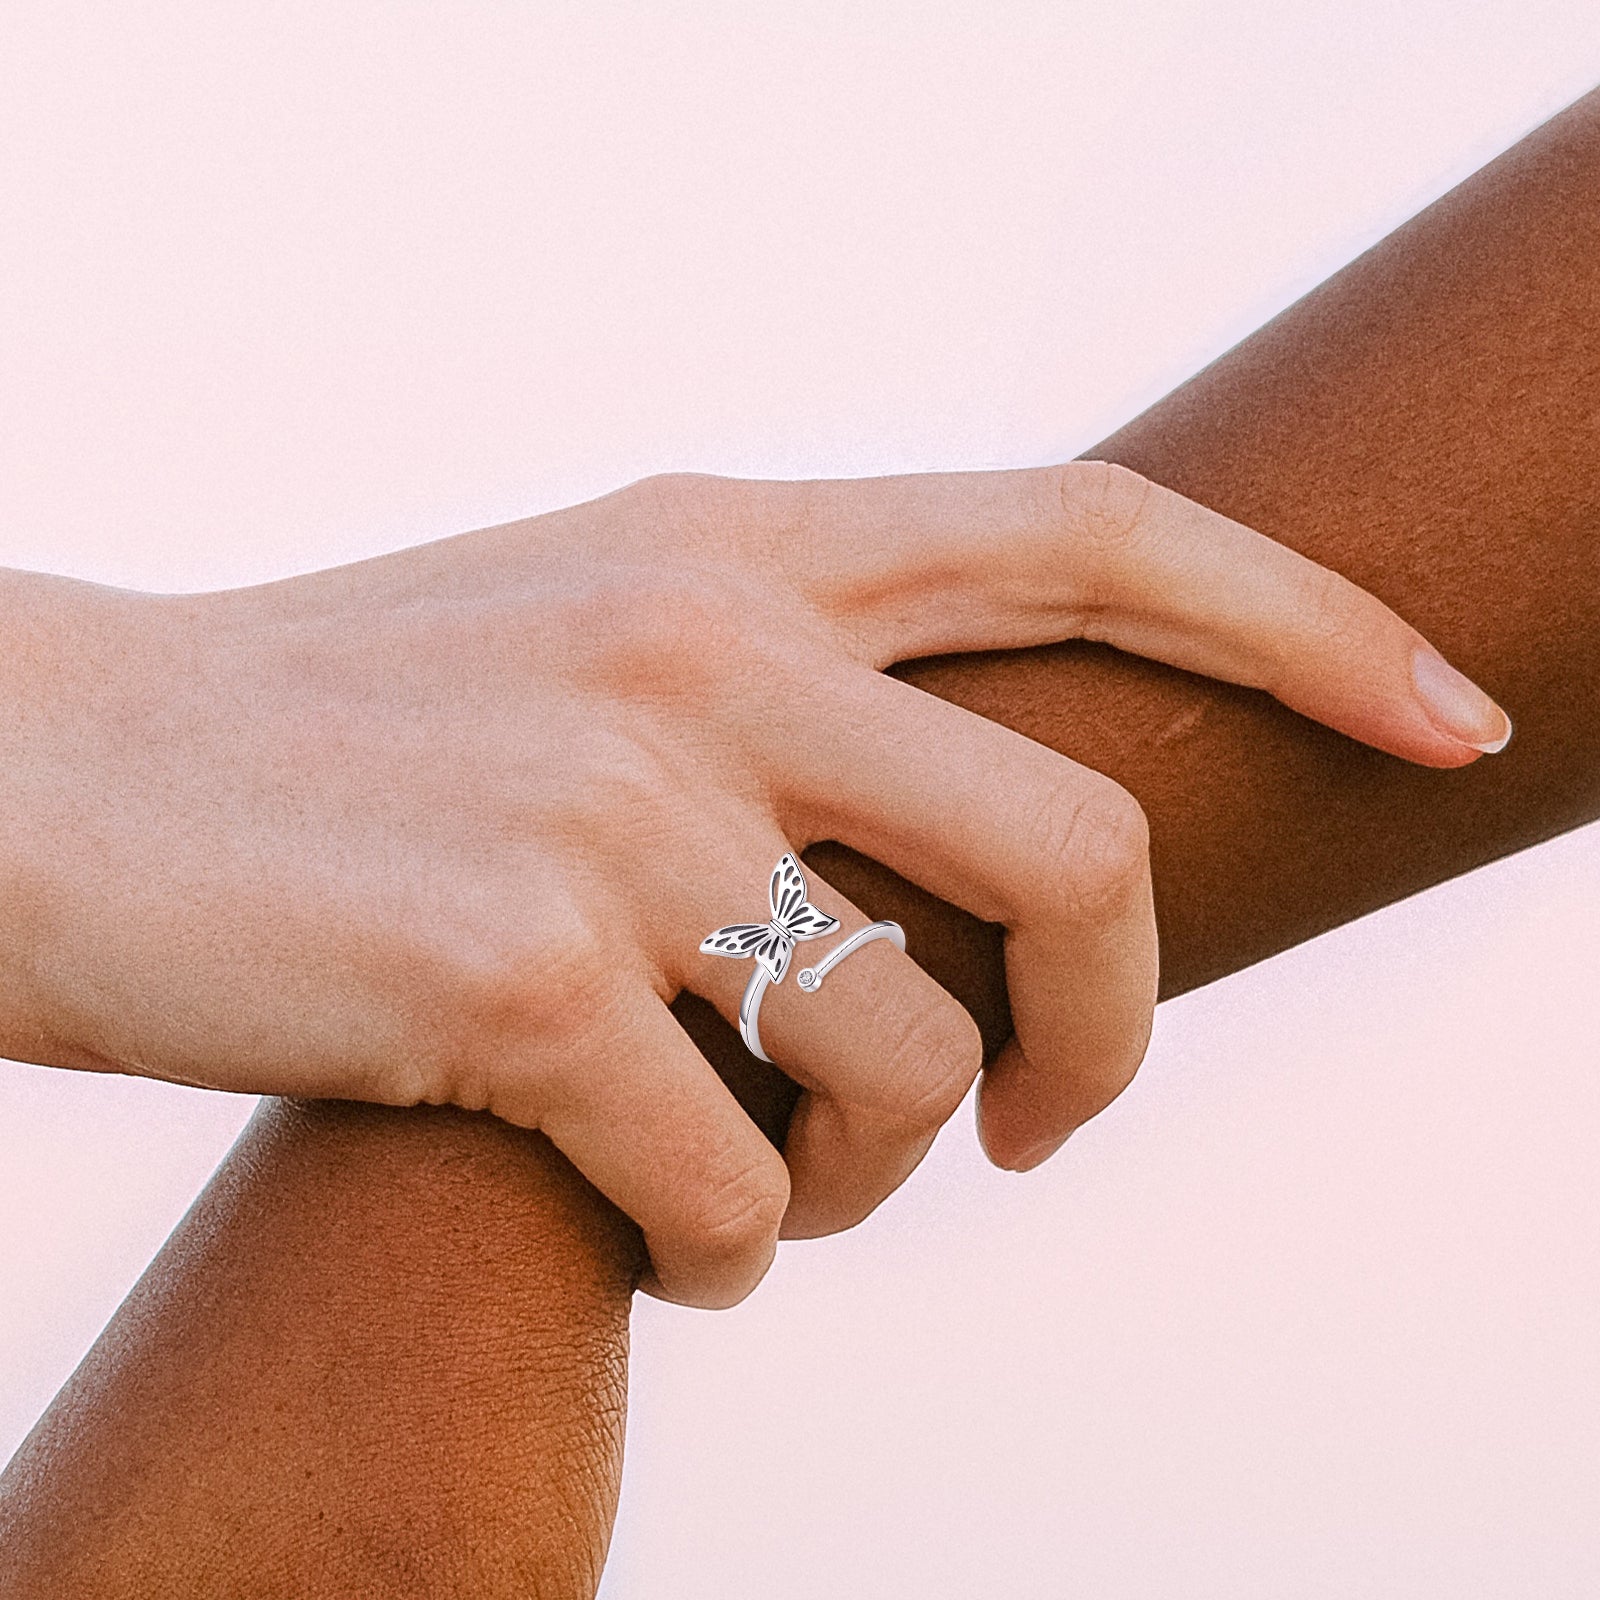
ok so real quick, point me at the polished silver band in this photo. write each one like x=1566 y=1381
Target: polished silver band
x=771 y=944
x=809 y=978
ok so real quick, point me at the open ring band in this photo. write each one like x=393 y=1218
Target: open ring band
x=771 y=944
x=809 y=978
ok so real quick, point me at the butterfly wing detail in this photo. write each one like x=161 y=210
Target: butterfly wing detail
x=772 y=943
x=806 y=922
x=766 y=941
x=787 y=888
x=774 y=951
x=737 y=939
x=791 y=911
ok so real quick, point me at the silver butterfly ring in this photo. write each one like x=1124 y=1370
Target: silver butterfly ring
x=772 y=943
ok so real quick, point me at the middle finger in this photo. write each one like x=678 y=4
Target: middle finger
x=883 y=1053
x=1015 y=833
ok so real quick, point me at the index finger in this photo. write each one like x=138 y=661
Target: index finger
x=927 y=563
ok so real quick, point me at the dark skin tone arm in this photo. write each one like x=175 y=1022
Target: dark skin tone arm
x=386 y=1351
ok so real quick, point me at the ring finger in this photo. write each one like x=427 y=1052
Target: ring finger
x=883 y=1058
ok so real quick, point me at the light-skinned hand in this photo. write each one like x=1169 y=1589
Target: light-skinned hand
x=449 y=825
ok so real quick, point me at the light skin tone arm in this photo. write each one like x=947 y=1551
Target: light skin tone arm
x=1423 y=423
x=450 y=826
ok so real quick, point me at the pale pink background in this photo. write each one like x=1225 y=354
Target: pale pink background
x=1313 y=1311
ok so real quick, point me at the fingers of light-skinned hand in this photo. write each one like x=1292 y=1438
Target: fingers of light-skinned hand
x=883 y=1052
x=1015 y=833
x=920 y=564
x=642 y=1114
x=1035 y=1096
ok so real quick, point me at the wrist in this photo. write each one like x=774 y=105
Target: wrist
x=65 y=681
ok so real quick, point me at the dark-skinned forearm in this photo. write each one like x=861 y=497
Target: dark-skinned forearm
x=251 y=1423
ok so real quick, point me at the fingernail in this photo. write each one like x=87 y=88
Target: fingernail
x=983 y=1142
x=1457 y=705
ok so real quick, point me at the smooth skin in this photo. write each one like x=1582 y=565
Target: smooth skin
x=447 y=826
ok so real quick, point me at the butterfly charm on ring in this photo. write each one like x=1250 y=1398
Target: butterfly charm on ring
x=772 y=943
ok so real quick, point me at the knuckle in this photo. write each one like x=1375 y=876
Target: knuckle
x=1099 y=504
x=689 y=617
x=666 y=633
x=1096 y=842
x=664 y=496
x=623 y=797
x=517 y=1007
x=693 y=504
x=929 y=1065
x=694 y=620
x=551 y=985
